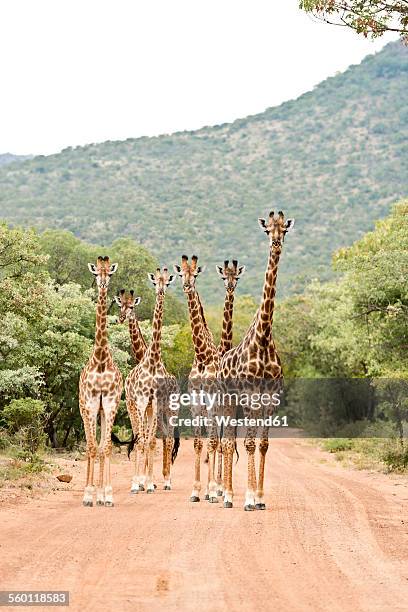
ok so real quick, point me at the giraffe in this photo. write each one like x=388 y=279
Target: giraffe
x=230 y=274
x=127 y=302
x=147 y=392
x=203 y=372
x=256 y=359
x=100 y=390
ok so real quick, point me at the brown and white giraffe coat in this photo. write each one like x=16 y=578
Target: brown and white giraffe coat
x=100 y=389
x=147 y=396
x=256 y=358
x=203 y=373
x=127 y=303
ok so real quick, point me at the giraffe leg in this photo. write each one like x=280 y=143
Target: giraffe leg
x=100 y=493
x=212 y=485
x=220 y=488
x=110 y=406
x=259 y=498
x=198 y=447
x=134 y=420
x=151 y=445
x=141 y=451
x=168 y=442
x=89 y=418
x=228 y=454
x=250 y=445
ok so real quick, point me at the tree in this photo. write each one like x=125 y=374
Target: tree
x=367 y=17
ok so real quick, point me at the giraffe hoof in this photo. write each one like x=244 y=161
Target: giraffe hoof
x=249 y=508
x=155 y=486
x=150 y=491
x=109 y=504
x=213 y=500
x=194 y=498
x=134 y=491
x=260 y=506
x=88 y=504
x=227 y=504
x=220 y=493
x=207 y=497
x=167 y=488
x=100 y=502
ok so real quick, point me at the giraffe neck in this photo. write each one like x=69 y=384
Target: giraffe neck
x=138 y=342
x=155 y=346
x=226 y=335
x=101 y=347
x=198 y=324
x=263 y=327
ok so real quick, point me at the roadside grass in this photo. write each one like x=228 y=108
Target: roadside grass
x=383 y=454
x=19 y=467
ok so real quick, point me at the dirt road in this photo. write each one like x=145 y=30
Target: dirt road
x=330 y=539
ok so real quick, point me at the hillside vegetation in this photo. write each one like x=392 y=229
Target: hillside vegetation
x=334 y=159
x=9 y=158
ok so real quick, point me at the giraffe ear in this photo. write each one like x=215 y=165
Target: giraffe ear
x=199 y=270
x=289 y=224
x=137 y=301
x=241 y=270
x=113 y=269
x=152 y=278
x=117 y=300
x=220 y=270
x=262 y=223
x=92 y=269
x=177 y=269
x=171 y=279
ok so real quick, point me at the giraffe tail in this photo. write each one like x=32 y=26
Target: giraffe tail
x=236 y=450
x=118 y=442
x=176 y=444
x=131 y=444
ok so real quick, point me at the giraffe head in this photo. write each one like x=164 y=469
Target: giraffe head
x=161 y=280
x=230 y=274
x=126 y=303
x=102 y=271
x=276 y=228
x=188 y=272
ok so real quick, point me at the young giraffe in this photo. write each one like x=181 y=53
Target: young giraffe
x=256 y=359
x=127 y=303
x=230 y=274
x=147 y=392
x=202 y=375
x=100 y=389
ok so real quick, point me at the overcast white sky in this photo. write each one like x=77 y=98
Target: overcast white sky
x=80 y=71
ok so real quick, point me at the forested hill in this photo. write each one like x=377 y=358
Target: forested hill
x=8 y=158
x=334 y=159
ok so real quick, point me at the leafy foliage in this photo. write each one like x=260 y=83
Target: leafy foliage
x=47 y=311
x=366 y=17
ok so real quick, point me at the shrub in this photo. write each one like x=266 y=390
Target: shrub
x=25 y=419
x=396 y=457
x=337 y=445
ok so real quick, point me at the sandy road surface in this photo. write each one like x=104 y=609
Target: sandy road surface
x=330 y=539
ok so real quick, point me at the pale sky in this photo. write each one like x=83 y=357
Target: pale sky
x=81 y=71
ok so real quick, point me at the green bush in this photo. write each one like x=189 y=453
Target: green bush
x=25 y=419
x=396 y=457
x=337 y=445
